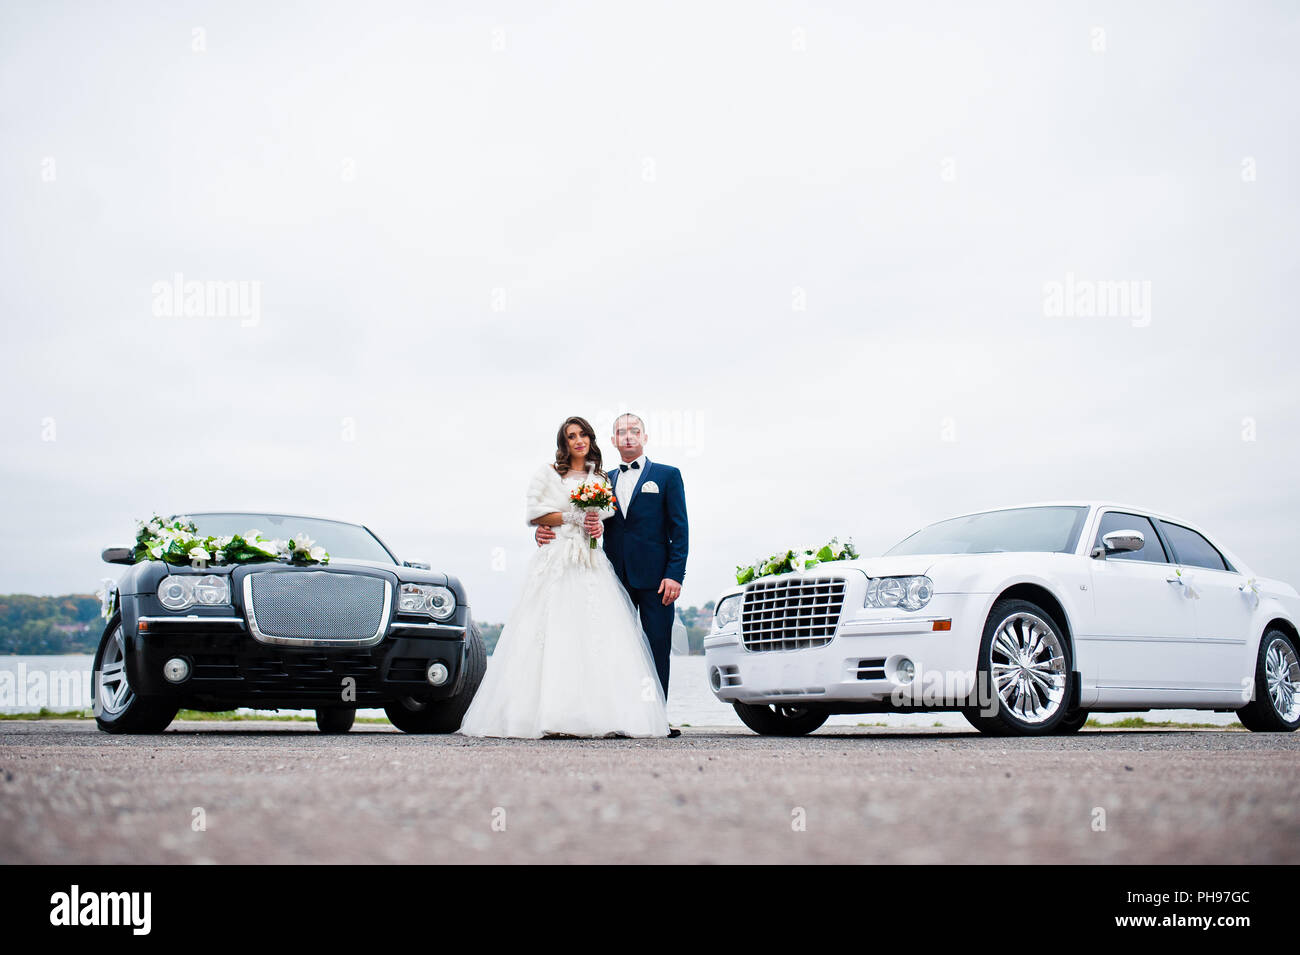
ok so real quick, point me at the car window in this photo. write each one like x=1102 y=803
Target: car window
x=1152 y=551
x=1191 y=548
x=1052 y=529
x=342 y=541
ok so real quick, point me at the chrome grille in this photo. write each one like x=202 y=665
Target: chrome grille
x=792 y=614
x=317 y=608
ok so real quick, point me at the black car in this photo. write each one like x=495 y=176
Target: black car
x=361 y=630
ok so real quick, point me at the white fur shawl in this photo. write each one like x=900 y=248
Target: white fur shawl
x=548 y=493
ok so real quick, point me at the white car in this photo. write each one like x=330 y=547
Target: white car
x=1026 y=619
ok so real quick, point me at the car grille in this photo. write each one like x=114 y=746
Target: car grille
x=793 y=614
x=289 y=676
x=317 y=608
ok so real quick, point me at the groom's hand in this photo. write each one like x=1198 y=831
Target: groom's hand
x=544 y=535
x=671 y=590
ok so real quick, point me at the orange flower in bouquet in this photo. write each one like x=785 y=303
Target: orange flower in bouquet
x=592 y=498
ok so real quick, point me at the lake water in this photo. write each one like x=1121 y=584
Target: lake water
x=62 y=682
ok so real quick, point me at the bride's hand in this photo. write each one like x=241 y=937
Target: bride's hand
x=593 y=525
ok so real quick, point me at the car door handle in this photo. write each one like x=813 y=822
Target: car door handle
x=1174 y=580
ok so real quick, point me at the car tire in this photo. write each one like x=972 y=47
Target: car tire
x=117 y=707
x=1031 y=689
x=780 y=719
x=1072 y=722
x=335 y=719
x=444 y=716
x=1276 y=706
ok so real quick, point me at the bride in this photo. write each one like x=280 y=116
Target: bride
x=572 y=659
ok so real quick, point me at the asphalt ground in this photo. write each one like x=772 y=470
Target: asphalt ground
x=275 y=792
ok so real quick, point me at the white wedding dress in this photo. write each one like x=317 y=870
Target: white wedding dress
x=572 y=658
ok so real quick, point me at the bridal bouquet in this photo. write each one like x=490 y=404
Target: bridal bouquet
x=793 y=560
x=591 y=498
x=176 y=540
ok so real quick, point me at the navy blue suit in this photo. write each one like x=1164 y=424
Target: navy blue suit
x=648 y=545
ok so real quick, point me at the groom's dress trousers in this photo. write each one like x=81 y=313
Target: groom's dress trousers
x=645 y=540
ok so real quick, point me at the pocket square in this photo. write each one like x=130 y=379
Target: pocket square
x=649 y=487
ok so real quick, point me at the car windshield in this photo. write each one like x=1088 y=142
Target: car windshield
x=341 y=541
x=1020 y=530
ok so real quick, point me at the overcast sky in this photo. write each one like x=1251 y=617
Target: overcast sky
x=813 y=245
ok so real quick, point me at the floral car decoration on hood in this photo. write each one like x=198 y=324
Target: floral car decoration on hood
x=793 y=560
x=175 y=540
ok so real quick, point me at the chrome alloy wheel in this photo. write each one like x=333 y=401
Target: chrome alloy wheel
x=1027 y=662
x=113 y=688
x=1282 y=676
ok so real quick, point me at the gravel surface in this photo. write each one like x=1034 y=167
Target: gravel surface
x=276 y=792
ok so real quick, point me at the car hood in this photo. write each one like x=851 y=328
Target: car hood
x=951 y=573
x=337 y=565
x=908 y=566
x=954 y=572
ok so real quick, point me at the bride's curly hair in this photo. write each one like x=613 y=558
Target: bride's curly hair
x=562 y=446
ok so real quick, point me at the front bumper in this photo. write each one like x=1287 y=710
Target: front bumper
x=858 y=670
x=229 y=668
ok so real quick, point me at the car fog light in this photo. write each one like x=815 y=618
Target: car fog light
x=176 y=670
x=906 y=670
x=438 y=673
x=715 y=678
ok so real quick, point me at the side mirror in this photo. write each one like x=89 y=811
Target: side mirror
x=118 y=555
x=417 y=564
x=1118 y=542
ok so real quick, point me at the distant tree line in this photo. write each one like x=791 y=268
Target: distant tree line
x=491 y=634
x=698 y=622
x=72 y=624
x=67 y=624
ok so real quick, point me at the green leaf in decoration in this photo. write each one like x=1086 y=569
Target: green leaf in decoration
x=172 y=541
x=787 y=562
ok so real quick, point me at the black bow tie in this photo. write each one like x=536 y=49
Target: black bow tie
x=635 y=466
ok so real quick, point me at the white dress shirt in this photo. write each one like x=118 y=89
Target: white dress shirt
x=627 y=481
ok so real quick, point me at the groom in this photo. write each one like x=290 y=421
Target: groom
x=645 y=540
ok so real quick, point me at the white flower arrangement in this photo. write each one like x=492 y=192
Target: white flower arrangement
x=1191 y=592
x=107 y=594
x=793 y=560
x=176 y=541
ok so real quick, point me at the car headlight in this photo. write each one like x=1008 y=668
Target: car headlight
x=906 y=593
x=728 y=611
x=181 y=592
x=433 y=600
